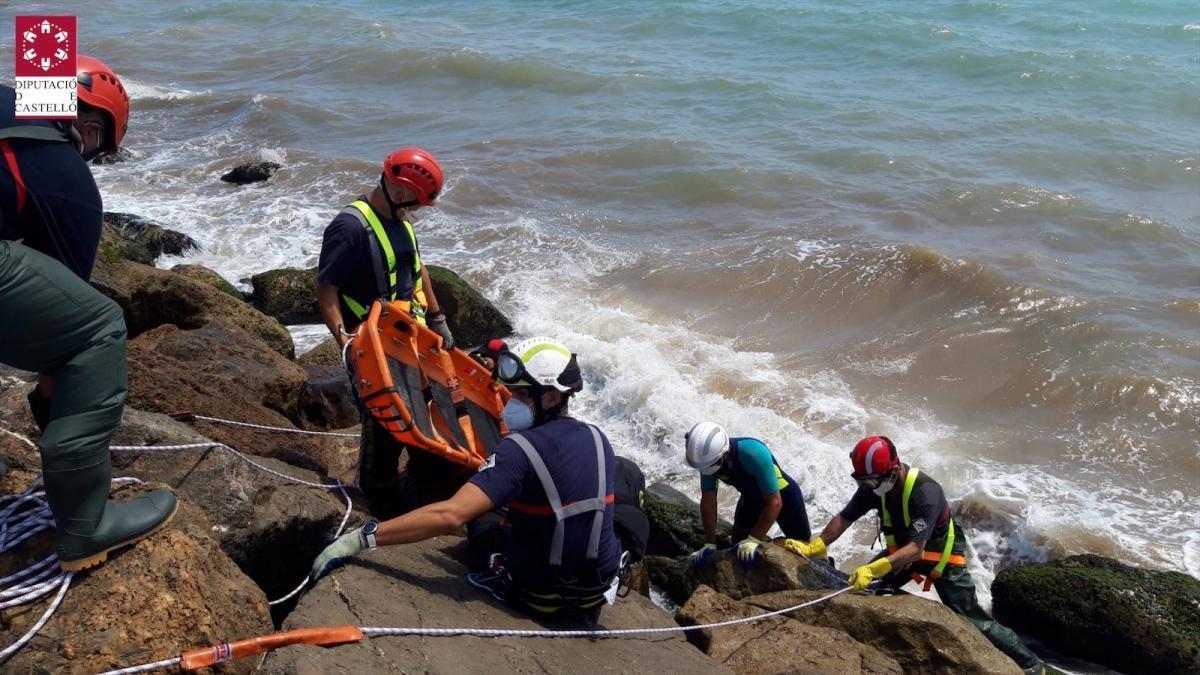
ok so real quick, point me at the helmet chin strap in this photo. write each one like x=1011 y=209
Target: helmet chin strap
x=394 y=206
x=542 y=415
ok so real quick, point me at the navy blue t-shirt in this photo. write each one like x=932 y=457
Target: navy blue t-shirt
x=63 y=211
x=346 y=261
x=567 y=448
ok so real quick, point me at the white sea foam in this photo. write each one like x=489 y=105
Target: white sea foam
x=141 y=91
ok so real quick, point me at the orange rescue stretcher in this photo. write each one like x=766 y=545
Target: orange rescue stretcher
x=430 y=398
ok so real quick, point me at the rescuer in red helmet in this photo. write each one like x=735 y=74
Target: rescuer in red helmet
x=370 y=252
x=924 y=544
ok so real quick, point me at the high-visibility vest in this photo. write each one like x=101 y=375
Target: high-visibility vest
x=365 y=215
x=939 y=558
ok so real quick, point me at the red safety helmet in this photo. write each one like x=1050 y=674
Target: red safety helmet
x=418 y=169
x=99 y=87
x=874 y=456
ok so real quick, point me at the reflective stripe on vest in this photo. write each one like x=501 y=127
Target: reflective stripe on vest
x=31 y=131
x=366 y=215
x=941 y=557
x=595 y=505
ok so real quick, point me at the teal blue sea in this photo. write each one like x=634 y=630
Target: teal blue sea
x=973 y=226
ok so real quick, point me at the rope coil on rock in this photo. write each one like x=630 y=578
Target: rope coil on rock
x=25 y=515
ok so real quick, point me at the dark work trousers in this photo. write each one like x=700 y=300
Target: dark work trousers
x=427 y=478
x=54 y=323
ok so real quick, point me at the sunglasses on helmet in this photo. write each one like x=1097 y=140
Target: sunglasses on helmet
x=872 y=482
x=511 y=371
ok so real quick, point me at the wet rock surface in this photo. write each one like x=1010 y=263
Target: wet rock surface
x=253 y=172
x=151 y=297
x=289 y=295
x=424 y=585
x=777 y=644
x=172 y=591
x=1131 y=619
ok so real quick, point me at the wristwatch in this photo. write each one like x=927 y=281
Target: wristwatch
x=369 y=531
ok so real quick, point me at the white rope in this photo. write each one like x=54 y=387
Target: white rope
x=196 y=446
x=21 y=517
x=145 y=667
x=21 y=438
x=373 y=631
x=63 y=581
x=286 y=430
x=621 y=632
x=25 y=515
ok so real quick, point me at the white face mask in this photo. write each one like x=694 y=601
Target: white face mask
x=517 y=415
x=886 y=486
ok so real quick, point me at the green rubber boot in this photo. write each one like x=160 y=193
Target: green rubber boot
x=89 y=524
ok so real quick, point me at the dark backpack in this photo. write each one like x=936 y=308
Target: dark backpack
x=629 y=520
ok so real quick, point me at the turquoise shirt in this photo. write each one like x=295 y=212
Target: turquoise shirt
x=752 y=465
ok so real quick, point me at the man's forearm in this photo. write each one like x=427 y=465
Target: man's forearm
x=907 y=555
x=772 y=505
x=331 y=314
x=834 y=529
x=708 y=516
x=433 y=306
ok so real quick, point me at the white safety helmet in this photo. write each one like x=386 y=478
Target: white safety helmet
x=704 y=445
x=545 y=361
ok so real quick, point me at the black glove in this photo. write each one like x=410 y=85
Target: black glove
x=437 y=323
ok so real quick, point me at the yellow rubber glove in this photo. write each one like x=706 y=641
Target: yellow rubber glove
x=864 y=575
x=815 y=548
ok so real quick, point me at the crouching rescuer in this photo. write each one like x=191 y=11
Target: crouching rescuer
x=555 y=474
x=924 y=544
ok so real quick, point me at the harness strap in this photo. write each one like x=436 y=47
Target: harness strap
x=942 y=558
x=597 y=504
x=543 y=510
x=386 y=280
x=382 y=273
x=10 y=158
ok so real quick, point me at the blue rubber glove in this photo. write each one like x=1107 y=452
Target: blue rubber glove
x=748 y=550
x=700 y=557
x=336 y=554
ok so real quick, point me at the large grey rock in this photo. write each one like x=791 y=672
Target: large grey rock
x=777 y=569
x=423 y=585
x=127 y=236
x=1130 y=619
x=252 y=172
x=777 y=644
x=288 y=294
x=327 y=400
x=472 y=317
x=675 y=526
x=924 y=636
